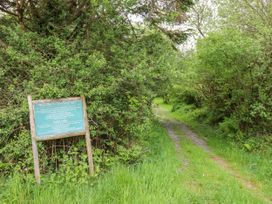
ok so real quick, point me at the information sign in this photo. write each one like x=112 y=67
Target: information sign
x=58 y=118
x=55 y=119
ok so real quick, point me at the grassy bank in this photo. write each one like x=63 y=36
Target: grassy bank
x=256 y=166
x=153 y=181
x=164 y=176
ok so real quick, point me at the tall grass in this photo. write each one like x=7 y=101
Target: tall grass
x=153 y=181
x=163 y=177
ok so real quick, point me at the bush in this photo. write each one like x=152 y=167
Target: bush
x=118 y=78
x=230 y=66
x=229 y=75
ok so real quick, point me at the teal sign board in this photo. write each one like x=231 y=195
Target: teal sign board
x=58 y=118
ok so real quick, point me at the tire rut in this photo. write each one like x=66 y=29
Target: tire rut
x=202 y=144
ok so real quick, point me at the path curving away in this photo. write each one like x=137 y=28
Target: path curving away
x=170 y=123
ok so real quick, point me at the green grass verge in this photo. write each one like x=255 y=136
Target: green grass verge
x=206 y=182
x=156 y=180
x=162 y=177
x=257 y=167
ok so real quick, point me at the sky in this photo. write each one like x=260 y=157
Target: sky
x=190 y=43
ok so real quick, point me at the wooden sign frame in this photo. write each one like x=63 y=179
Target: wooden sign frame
x=35 y=139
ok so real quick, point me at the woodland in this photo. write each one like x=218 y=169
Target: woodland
x=208 y=63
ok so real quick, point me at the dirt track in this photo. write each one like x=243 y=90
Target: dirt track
x=170 y=123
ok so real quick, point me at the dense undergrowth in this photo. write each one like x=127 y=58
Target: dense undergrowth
x=227 y=79
x=71 y=48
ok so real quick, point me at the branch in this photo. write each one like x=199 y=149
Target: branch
x=78 y=11
x=3 y=44
x=199 y=21
x=200 y=31
x=8 y=12
x=132 y=27
x=254 y=9
x=33 y=9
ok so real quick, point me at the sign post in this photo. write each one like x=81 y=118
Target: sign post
x=56 y=119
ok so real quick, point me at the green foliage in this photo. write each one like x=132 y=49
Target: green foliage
x=230 y=75
x=118 y=68
x=223 y=65
x=186 y=87
x=73 y=167
x=229 y=72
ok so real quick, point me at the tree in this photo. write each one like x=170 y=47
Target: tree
x=202 y=16
x=46 y=15
x=250 y=16
x=54 y=48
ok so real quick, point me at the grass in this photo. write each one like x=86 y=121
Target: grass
x=257 y=167
x=206 y=182
x=163 y=177
x=156 y=180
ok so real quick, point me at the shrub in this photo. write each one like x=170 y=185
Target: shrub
x=234 y=77
x=118 y=80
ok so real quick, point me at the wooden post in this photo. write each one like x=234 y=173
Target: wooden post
x=34 y=142
x=87 y=137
